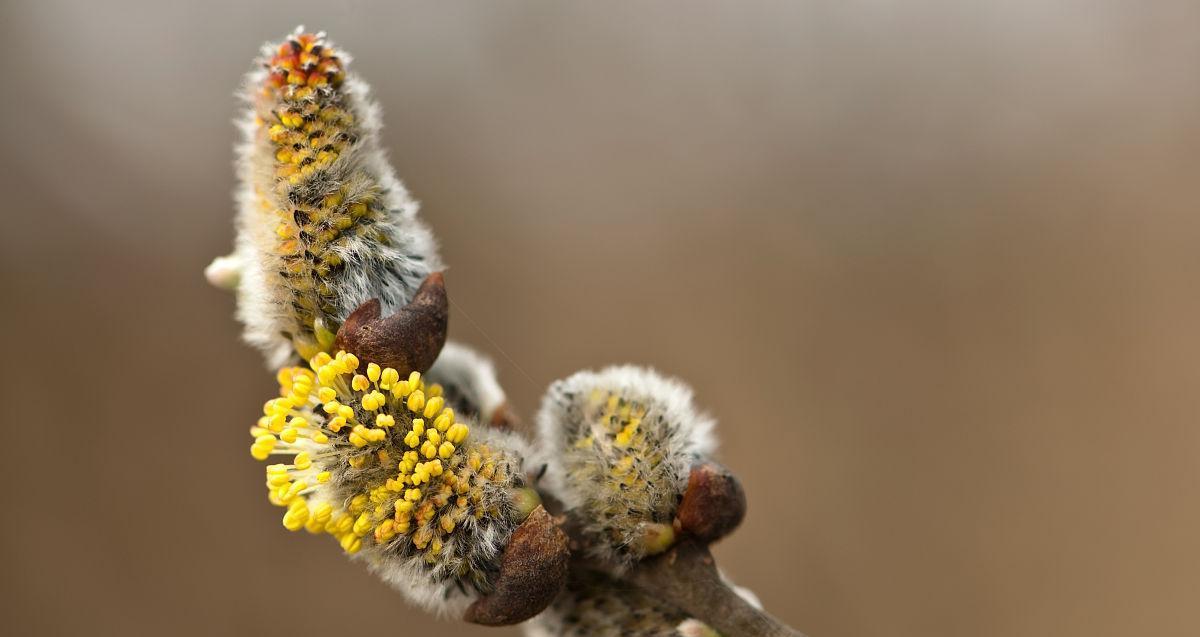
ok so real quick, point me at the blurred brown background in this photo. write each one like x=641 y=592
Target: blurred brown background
x=933 y=266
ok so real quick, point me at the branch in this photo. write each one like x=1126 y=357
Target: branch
x=686 y=577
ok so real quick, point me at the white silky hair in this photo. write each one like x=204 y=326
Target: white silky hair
x=390 y=273
x=470 y=376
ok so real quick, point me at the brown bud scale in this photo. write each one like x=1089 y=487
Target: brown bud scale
x=409 y=340
x=713 y=504
x=533 y=571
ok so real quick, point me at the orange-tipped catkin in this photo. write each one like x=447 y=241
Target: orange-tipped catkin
x=324 y=224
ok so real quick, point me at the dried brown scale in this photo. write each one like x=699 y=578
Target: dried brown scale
x=713 y=504
x=532 y=572
x=409 y=340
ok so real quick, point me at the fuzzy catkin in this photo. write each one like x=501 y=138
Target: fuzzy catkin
x=384 y=466
x=323 y=223
x=619 y=445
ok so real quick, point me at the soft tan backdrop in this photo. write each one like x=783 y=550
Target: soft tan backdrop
x=933 y=265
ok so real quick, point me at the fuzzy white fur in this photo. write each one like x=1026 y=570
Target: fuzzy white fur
x=469 y=379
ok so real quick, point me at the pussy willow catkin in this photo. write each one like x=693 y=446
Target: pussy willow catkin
x=323 y=223
x=382 y=465
x=619 y=445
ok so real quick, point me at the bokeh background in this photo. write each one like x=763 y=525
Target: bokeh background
x=933 y=265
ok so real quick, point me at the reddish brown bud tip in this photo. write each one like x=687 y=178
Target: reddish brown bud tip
x=504 y=418
x=409 y=340
x=713 y=504
x=532 y=573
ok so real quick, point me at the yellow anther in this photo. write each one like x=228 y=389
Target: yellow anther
x=373 y=372
x=350 y=362
x=401 y=389
x=350 y=543
x=335 y=425
x=412 y=495
x=446 y=523
x=358 y=440
x=443 y=422
x=384 y=420
x=428 y=449
x=416 y=401
x=323 y=477
x=331 y=407
x=320 y=360
x=345 y=412
x=414 y=380
x=276 y=422
x=360 y=382
x=433 y=406
x=326 y=394
x=362 y=525
x=412 y=439
x=389 y=377
x=288 y=435
x=328 y=373
x=385 y=531
x=373 y=401
x=320 y=438
x=294 y=519
x=303 y=460
x=457 y=433
x=446 y=450
x=433 y=390
x=420 y=474
x=377 y=435
x=403 y=506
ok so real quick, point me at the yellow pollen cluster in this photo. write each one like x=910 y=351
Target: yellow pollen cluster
x=374 y=458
